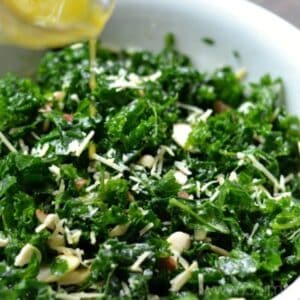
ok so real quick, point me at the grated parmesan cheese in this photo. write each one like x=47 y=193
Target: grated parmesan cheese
x=55 y=170
x=7 y=143
x=146 y=228
x=110 y=163
x=245 y=107
x=136 y=267
x=84 y=143
x=132 y=81
x=23 y=146
x=93 y=237
x=254 y=230
x=262 y=169
x=200 y=284
x=181 y=166
x=73 y=236
x=158 y=162
x=233 y=176
x=79 y=296
x=41 y=150
x=182 y=278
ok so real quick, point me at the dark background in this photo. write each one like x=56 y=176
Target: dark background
x=288 y=9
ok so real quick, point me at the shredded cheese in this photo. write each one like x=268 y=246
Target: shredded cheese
x=136 y=267
x=84 y=143
x=23 y=146
x=189 y=107
x=110 y=163
x=79 y=296
x=132 y=81
x=7 y=143
x=41 y=150
x=93 y=237
x=144 y=230
x=55 y=170
x=265 y=171
x=200 y=284
x=182 y=278
x=181 y=166
x=250 y=238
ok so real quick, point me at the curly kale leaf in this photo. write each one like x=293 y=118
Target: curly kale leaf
x=19 y=101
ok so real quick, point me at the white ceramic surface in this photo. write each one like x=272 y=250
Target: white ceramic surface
x=266 y=43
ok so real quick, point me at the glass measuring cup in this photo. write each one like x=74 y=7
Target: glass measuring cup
x=52 y=23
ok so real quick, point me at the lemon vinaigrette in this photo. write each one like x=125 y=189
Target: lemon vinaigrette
x=53 y=23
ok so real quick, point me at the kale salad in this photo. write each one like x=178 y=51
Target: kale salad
x=163 y=182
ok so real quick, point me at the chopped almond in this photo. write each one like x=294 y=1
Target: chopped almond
x=80 y=183
x=168 y=263
x=68 y=117
x=220 y=106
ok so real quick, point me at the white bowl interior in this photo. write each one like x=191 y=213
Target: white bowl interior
x=266 y=43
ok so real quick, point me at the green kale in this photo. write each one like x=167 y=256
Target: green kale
x=20 y=100
x=101 y=175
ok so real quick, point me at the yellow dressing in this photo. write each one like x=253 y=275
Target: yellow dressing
x=51 y=23
x=93 y=64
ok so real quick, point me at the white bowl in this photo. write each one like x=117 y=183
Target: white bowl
x=266 y=43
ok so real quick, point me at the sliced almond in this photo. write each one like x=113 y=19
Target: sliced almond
x=181 y=132
x=169 y=263
x=75 y=277
x=46 y=276
x=50 y=221
x=3 y=242
x=72 y=261
x=59 y=95
x=147 y=161
x=56 y=240
x=179 y=241
x=41 y=216
x=118 y=230
x=24 y=256
x=180 y=177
